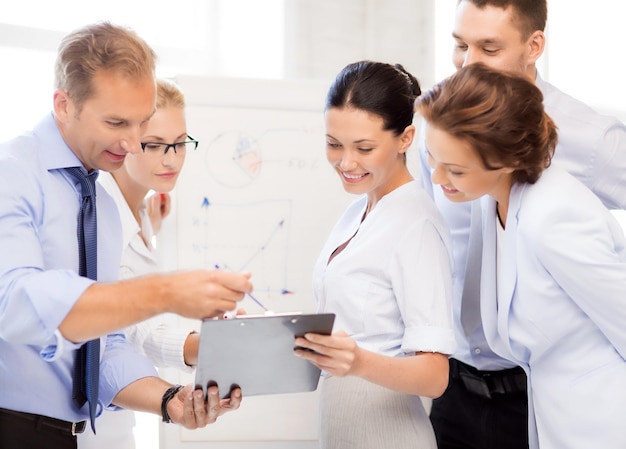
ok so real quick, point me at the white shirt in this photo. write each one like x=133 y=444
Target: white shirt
x=390 y=288
x=155 y=337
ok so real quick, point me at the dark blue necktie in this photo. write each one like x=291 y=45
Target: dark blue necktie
x=87 y=363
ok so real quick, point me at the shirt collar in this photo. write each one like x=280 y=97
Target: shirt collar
x=56 y=154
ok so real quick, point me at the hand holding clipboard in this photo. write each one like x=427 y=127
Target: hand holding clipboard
x=256 y=353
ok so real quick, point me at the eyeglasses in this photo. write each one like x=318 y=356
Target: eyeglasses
x=161 y=149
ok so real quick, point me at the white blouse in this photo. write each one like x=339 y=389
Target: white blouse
x=157 y=337
x=390 y=288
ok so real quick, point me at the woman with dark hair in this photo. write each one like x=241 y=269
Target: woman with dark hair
x=554 y=260
x=384 y=271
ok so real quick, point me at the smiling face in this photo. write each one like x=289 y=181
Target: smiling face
x=159 y=172
x=458 y=169
x=491 y=35
x=368 y=159
x=109 y=124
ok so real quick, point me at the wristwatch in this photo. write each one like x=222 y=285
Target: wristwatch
x=167 y=397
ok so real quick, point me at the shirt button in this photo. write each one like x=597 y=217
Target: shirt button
x=477 y=351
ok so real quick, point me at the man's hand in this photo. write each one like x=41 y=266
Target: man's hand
x=105 y=307
x=203 y=294
x=189 y=409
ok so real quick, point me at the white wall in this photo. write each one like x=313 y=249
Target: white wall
x=325 y=35
x=584 y=57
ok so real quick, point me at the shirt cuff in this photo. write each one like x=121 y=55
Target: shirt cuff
x=172 y=350
x=57 y=347
x=126 y=367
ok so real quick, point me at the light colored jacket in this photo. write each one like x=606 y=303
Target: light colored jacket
x=558 y=309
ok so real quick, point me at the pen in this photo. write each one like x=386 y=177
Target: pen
x=259 y=303
x=233 y=314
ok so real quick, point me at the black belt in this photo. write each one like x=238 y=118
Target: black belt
x=489 y=383
x=66 y=427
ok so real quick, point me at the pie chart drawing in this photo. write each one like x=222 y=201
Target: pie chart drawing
x=233 y=159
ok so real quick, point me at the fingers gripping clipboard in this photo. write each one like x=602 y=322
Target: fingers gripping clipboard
x=255 y=353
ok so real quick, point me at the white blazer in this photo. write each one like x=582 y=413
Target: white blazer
x=561 y=309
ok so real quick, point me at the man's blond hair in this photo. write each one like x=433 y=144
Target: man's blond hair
x=100 y=47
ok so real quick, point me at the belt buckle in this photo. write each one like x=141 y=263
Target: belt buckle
x=77 y=428
x=497 y=384
x=475 y=384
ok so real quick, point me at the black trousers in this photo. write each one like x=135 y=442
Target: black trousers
x=465 y=420
x=19 y=433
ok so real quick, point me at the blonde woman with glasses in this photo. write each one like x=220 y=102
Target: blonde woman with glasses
x=165 y=144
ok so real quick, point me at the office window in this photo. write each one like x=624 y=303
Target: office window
x=27 y=88
x=224 y=38
x=584 y=55
x=444 y=23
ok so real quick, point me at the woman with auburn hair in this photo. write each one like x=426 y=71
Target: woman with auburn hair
x=554 y=258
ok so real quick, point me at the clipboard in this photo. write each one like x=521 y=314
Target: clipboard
x=255 y=353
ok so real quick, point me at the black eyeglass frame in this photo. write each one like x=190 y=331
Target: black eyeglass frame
x=170 y=145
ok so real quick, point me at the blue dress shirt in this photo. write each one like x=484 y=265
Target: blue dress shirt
x=39 y=283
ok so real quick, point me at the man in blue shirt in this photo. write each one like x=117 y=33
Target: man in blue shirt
x=485 y=403
x=104 y=96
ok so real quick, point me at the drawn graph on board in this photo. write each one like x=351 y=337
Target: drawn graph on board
x=264 y=253
x=259 y=198
x=236 y=158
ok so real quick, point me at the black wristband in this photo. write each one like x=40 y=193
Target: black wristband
x=167 y=397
